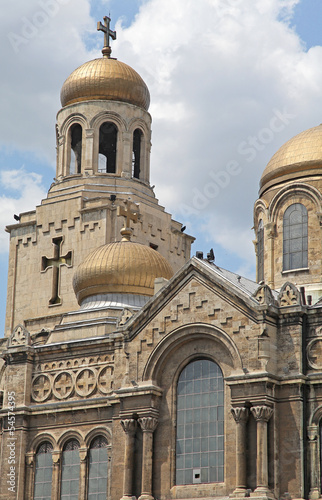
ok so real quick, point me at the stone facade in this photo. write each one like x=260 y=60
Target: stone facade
x=212 y=387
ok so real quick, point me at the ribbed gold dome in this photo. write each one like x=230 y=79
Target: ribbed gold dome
x=107 y=79
x=299 y=157
x=122 y=267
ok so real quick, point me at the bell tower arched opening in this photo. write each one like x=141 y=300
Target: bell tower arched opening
x=136 y=153
x=75 y=164
x=107 y=148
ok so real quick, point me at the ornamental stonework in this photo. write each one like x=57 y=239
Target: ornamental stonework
x=73 y=379
x=314 y=353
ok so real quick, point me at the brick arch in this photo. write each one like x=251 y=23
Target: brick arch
x=189 y=342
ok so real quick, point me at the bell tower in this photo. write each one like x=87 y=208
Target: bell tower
x=103 y=135
x=288 y=216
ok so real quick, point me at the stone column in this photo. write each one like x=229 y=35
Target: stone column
x=241 y=416
x=270 y=235
x=82 y=473
x=314 y=462
x=148 y=426
x=55 y=480
x=129 y=427
x=262 y=414
x=30 y=465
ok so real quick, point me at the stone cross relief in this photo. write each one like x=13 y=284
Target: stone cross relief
x=129 y=215
x=55 y=263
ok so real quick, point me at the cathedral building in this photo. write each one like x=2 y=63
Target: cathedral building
x=129 y=369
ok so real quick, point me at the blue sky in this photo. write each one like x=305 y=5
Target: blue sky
x=218 y=72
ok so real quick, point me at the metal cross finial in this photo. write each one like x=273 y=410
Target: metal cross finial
x=107 y=34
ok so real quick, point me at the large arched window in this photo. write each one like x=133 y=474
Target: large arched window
x=75 y=165
x=43 y=472
x=70 y=471
x=200 y=424
x=295 y=237
x=97 y=469
x=136 y=153
x=260 y=251
x=107 y=148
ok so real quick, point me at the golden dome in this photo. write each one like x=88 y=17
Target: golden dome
x=105 y=79
x=299 y=157
x=122 y=267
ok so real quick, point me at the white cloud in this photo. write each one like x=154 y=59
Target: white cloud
x=26 y=191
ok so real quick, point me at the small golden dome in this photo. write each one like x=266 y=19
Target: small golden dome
x=105 y=79
x=122 y=267
x=299 y=157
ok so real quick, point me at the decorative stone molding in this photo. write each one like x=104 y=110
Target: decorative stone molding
x=314 y=353
x=289 y=295
x=148 y=424
x=129 y=426
x=264 y=295
x=41 y=388
x=105 y=379
x=63 y=385
x=85 y=383
x=59 y=383
x=240 y=414
x=30 y=459
x=262 y=413
x=127 y=314
x=19 y=337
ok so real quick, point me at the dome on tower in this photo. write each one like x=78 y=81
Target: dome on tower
x=123 y=267
x=301 y=156
x=105 y=78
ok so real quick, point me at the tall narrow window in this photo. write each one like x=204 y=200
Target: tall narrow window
x=75 y=149
x=97 y=470
x=70 y=471
x=200 y=424
x=43 y=472
x=260 y=251
x=295 y=237
x=107 y=148
x=136 y=153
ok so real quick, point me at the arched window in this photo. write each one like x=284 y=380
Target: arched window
x=136 y=153
x=200 y=424
x=260 y=251
x=97 y=469
x=75 y=149
x=107 y=148
x=70 y=471
x=295 y=237
x=43 y=472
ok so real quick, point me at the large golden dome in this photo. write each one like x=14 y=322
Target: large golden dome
x=122 y=267
x=105 y=79
x=301 y=156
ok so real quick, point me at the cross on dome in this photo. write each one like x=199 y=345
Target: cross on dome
x=106 y=51
x=130 y=216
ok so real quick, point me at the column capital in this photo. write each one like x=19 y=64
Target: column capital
x=148 y=424
x=312 y=432
x=240 y=414
x=56 y=457
x=30 y=458
x=129 y=426
x=82 y=454
x=262 y=413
